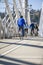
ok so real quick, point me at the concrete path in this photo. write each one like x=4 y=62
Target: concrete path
x=21 y=52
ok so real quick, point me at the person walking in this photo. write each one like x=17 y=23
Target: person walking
x=32 y=28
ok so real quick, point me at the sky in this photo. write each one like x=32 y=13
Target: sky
x=36 y=4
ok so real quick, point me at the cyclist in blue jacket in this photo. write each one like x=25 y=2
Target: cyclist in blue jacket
x=21 y=23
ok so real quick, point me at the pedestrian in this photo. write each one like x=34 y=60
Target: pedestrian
x=32 y=28
x=36 y=30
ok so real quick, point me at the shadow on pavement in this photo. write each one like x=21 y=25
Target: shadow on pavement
x=22 y=44
x=14 y=61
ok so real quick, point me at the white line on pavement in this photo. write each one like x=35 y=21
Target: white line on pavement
x=11 y=50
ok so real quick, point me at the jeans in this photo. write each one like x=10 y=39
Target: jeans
x=22 y=30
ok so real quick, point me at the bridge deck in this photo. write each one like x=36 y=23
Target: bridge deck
x=23 y=52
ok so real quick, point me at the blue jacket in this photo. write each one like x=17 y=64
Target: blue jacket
x=32 y=26
x=21 y=22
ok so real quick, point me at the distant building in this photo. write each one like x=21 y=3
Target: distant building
x=35 y=16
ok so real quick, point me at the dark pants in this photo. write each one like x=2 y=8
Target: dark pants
x=32 y=31
x=22 y=30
